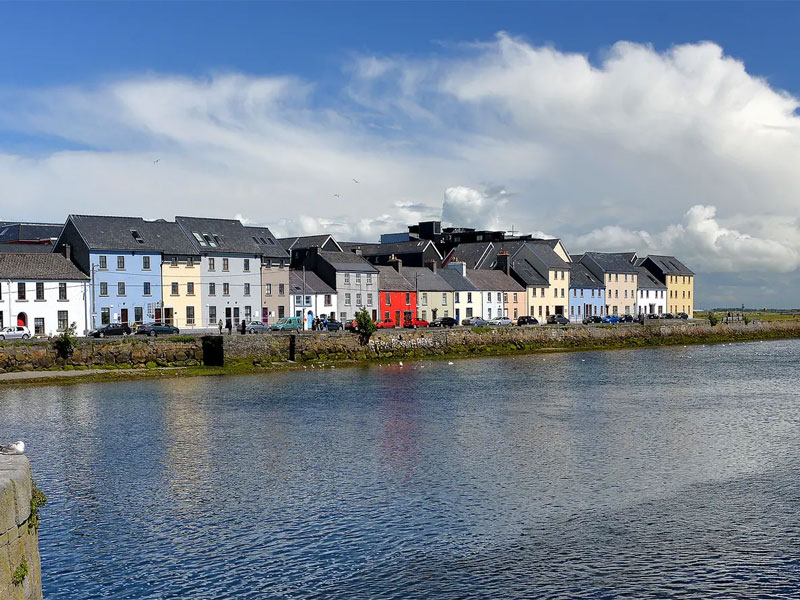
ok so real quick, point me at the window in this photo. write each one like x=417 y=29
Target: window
x=562 y=292
x=281 y=311
x=38 y=326
x=138 y=314
x=246 y=264
x=469 y=311
x=40 y=290
x=347 y=299
x=103 y=262
x=225 y=264
x=489 y=296
x=211 y=266
x=515 y=299
x=408 y=298
x=145 y=263
x=424 y=298
x=268 y=289
x=489 y=314
x=248 y=313
x=190 y=288
x=281 y=289
x=298 y=300
x=121 y=288
x=308 y=300
x=62 y=291
x=246 y=289
x=146 y=288
x=226 y=289
x=103 y=288
x=616 y=277
x=505 y=297
x=540 y=311
x=212 y=289
x=189 y=261
x=469 y=297
x=174 y=289
x=120 y=262
x=446 y=313
x=592 y=292
x=616 y=293
x=444 y=299
x=689 y=294
x=327 y=299
x=533 y=292
x=358 y=278
x=581 y=292
x=369 y=279
x=173 y=262
x=388 y=298
x=625 y=293
x=358 y=300
x=190 y=315
x=63 y=320
x=456 y=298
x=347 y=277
x=562 y=275
x=572 y=310
x=212 y=315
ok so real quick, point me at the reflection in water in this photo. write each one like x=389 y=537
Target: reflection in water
x=657 y=473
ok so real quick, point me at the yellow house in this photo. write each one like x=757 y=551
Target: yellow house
x=619 y=273
x=181 y=292
x=679 y=280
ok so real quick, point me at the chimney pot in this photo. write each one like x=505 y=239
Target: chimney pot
x=432 y=265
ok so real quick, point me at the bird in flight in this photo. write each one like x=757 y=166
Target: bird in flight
x=156 y=160
x=355 y=180
x=336 y=195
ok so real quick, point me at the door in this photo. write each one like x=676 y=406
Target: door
x=22 y=320
x=228 y=322
x=458 y=316
x=236 y=322
x=398 y=322
x=168 y=316
x=158 y=315
x=123 y=316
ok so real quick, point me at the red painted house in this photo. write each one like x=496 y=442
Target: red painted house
x=397 y=299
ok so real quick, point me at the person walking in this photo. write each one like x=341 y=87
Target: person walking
x=220 y=326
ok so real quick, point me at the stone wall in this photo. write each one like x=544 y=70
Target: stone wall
x=125 y=353
x=19 y=543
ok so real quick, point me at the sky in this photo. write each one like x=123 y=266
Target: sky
x=667 y=128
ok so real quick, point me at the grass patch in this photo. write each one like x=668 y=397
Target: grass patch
x=20 y=573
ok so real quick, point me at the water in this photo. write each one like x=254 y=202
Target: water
x=657 y=473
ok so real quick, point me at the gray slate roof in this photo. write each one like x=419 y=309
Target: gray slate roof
x=413 y=246
x=648 y=281
x=313 y=284
x=229 y=235
x=39 y=266
x=269 y=245
x=15 y=232
x=613 y=262
x=347 y=261
x=304 y=242
x=670 y=265
x=425 y=280
x=114 y=233
x=581 y=277
x=25 y=248
x=389 y=280
x=492 y=279
x=457 y=281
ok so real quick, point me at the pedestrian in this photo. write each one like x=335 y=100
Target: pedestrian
x=220 y=326
x=229 y=325
x=243 y=327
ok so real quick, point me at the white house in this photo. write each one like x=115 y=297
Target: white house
x=652 y=294
x=44 y=292
x=309 y=296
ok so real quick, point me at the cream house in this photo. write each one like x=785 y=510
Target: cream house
x=620 y=276
x=434 y=293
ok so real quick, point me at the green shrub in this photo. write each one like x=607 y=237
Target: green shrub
x=20 y=573
x=481 y=329
x=366 y=326
x=38 y=499
x=713 y=319
x=65 y=343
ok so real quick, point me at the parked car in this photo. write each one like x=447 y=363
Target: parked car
x=386 y=324
x=668 y=316
x=557 y=320
x=474 y=322
x=653 y=316
x=332 y=325
x=626 y=319
x=257 y=327
x=414 y=323
x=613 y=319
x=111 y=329
x=443 y=322
x=20 y=332
x=527 y=321
x=287 y=324
x=592 y=319
x=154 y=329
x=682 y=315
x=501 y=322
x=351 y=325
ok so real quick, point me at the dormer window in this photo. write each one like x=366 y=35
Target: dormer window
x=199 y=238
x=137 y=236
x=218 y=240
x=210 y=240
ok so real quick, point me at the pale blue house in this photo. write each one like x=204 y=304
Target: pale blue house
x=587 y=294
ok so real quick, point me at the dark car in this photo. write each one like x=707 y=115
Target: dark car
x=475 y=322
x=154 y=329
x=557 y=320
x=527 y=321
x=626 y=319
x=443 y=322
x=592 y=319
x=682 y=315
x=111 y=329
x=653 y=316
x=668 y=316
x=332 y=325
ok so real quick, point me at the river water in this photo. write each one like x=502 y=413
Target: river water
x=656 y=473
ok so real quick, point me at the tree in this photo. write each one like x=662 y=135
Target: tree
x=366 y=326
x=65 y=342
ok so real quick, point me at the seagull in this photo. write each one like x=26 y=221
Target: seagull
x=15 y=448
x=450 y=362
x=156 y=160
x=336 y=195
x=355 y=180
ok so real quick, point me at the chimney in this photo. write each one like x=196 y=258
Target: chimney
x=396 y=263
x=432 y=265
x=67 y=251
x=357 y=250
x=504 y=262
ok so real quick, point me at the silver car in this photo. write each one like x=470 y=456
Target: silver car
x=257 y=327
x=501 y=322
x=19 y=332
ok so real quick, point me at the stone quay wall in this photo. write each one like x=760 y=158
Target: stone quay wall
x=398 y=343
x=129 y=352
x=20 y=566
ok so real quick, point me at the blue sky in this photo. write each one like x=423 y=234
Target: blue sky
x=611 y=125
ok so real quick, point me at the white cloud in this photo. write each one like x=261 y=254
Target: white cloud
x=621 y=148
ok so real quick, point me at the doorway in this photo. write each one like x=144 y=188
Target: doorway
x=22 y=319
x=168 y=316
x=228 y=321
x=123 y=316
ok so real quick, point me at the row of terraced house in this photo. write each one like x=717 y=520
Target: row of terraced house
x=196 y=273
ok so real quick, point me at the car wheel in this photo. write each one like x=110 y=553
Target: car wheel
x=25 y=336
x=299 y=330
x=177 y=331
x=2 y=337
x=152 y=334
